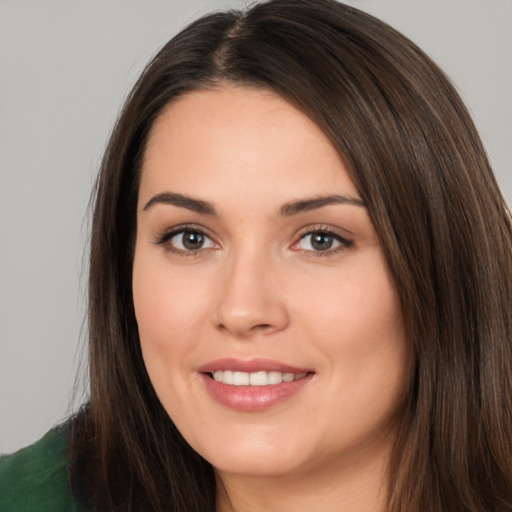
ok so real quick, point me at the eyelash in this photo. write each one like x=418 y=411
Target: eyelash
x=324 y=230
x=166 y=236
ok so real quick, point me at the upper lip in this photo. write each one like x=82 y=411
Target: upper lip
x=250 y=366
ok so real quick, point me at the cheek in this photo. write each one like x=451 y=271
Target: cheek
x=164 y=317
x=172 y=311
x=167 y=304
x=357 y=307
x=167 y=312
x=357 y=322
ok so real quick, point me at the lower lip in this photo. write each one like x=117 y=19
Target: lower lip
x=253 y=398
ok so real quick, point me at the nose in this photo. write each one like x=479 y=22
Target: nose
x=250 y=298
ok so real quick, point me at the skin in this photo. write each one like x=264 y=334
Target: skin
x=258 y=287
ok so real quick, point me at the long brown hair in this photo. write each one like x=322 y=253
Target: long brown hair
x=419 y=165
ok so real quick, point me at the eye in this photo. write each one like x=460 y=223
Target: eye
x=321 y=241
x=189 y=240
x=186 y=240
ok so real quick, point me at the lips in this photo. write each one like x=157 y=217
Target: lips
x=255 y=385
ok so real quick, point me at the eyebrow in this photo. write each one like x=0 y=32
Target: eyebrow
x=287 y=210
x=306 y=205
x=194 y=205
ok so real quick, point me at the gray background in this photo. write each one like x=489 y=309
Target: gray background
x=65 y=67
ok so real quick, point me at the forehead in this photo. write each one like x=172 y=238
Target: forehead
x=242 y=140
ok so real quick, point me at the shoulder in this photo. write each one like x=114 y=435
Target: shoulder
x=35 y=478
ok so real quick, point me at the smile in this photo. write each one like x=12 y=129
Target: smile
x=259 y=378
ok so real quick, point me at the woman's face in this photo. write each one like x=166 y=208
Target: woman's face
x=269 y=323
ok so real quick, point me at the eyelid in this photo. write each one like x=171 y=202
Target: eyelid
x=345 y=243
x=168 y=233
x=165 y=235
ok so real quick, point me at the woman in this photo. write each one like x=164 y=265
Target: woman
x=300 y=282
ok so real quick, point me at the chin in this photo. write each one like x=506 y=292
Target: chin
x=255 y=465
x=252 y=453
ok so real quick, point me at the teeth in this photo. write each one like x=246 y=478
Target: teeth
x=275 y=377
x=255 y=378
x=227 y=377
x=258 y=379
x=240 y=379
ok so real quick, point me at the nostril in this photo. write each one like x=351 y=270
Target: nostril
x=262 y=326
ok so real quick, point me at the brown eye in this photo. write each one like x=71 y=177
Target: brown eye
x=322 y=241
x=189 y=240
x=192 y=241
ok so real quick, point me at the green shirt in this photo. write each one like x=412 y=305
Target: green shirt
x=35 y=478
